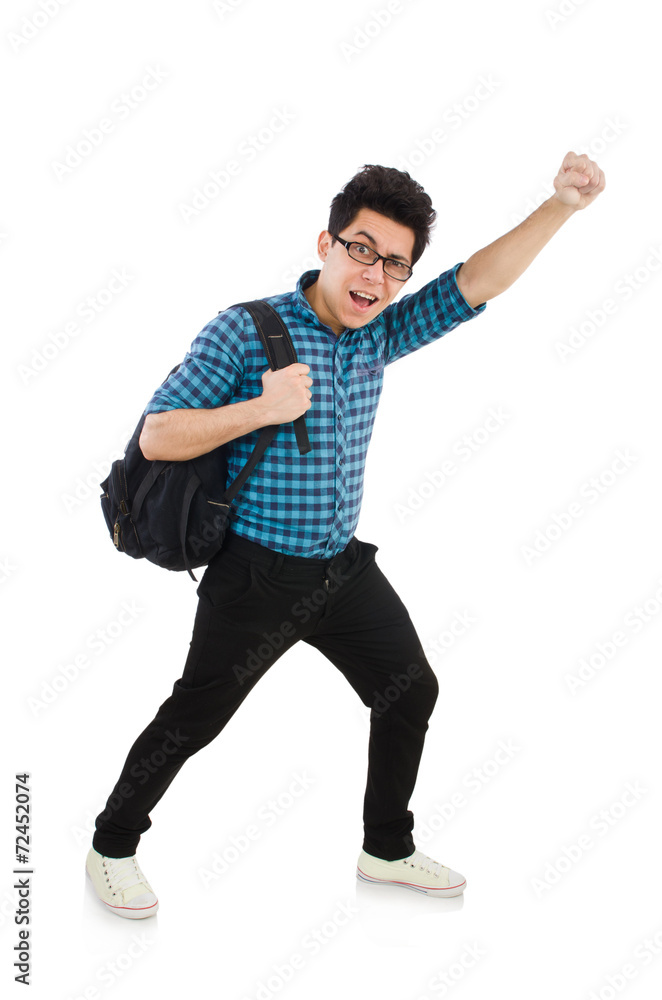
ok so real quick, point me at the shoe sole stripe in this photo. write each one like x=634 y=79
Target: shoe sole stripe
x=133 y=909
x=431 y=890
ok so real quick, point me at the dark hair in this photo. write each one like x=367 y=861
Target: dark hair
x=390 y=192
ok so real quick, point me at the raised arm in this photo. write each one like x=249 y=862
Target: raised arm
x=489 y=271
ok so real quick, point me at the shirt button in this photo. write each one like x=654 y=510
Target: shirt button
x=339 y=506
x=340 y=461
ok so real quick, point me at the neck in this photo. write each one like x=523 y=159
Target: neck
x=312 y=293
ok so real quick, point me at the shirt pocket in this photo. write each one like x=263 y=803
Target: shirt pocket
x=368 y=367
x=371 y=371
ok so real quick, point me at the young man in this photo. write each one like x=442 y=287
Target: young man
x=291 y=566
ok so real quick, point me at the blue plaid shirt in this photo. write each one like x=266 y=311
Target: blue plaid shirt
x=309 y=505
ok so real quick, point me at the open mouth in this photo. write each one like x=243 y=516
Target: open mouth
x=363 y=300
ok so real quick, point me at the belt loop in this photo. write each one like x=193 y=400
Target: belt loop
x=278 y=563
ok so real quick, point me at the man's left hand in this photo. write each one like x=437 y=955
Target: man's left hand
x=579 y=181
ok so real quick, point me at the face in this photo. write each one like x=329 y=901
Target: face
x=339 y=294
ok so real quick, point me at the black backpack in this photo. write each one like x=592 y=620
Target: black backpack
x=176 y=513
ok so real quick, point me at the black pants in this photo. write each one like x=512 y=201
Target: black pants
x=254 y=604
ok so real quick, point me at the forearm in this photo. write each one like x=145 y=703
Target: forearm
x=179 y=434
x=489 y=271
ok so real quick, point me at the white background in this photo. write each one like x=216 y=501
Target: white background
x=363 y=84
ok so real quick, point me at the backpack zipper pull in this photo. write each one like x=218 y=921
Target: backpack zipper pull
x=116 y=534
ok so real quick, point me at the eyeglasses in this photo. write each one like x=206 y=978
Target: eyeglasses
x=366 y=255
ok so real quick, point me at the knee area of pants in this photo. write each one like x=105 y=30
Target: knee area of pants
x=413 y=699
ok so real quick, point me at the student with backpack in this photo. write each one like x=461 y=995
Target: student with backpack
x=290 y=564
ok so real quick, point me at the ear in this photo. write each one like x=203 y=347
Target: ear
x=323 y=244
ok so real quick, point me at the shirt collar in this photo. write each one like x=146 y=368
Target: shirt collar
x=307 y=279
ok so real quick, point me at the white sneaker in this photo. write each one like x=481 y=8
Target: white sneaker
x=418 y=872
x=120 y=884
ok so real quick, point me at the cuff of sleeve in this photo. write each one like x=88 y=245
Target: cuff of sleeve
x=458 y=301
x=164 y=399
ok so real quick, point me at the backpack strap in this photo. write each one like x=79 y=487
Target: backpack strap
x=280 y=352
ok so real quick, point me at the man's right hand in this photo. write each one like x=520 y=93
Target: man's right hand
x=286 y=393
x=179 y=434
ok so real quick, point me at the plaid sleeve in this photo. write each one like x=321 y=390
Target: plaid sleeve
x=211 y=371
x=424 y=316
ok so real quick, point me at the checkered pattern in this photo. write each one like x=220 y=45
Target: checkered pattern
x=309 y=505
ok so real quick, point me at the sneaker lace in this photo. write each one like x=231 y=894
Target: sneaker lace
x=427 y=863
x=122 y=873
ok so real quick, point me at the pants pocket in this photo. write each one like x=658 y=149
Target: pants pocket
x=227 y=581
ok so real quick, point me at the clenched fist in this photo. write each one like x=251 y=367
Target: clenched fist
x=286 y=392
x=579 y=181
